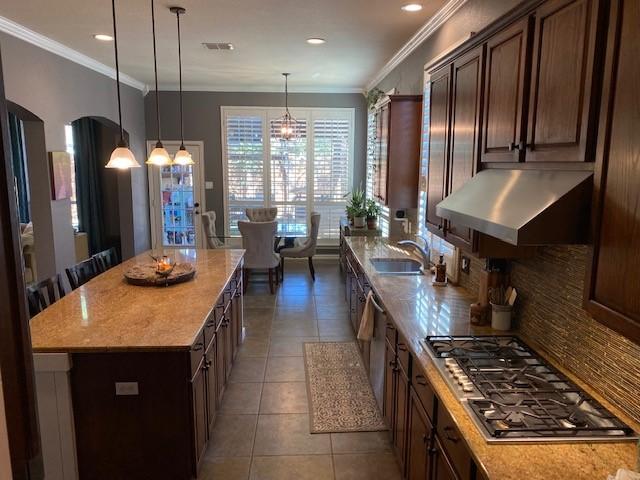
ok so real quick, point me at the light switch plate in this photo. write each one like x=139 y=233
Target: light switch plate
x=208 y=185
x=127 y=388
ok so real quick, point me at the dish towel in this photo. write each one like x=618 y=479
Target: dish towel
x=365 y=332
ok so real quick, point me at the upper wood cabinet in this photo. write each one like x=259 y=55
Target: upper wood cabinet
x=562 y=103
x=504 y=98
x=397 y=151
x=612 y=283
x=541 y=89
x=439 y=115
x=465 y=130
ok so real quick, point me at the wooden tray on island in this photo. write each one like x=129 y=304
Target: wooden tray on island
x=146 y=275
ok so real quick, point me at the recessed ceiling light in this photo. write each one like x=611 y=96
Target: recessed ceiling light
x=316 y=41
x=412 y=7
x=102 y=36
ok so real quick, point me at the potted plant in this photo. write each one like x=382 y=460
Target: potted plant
x=356 y=208
x=373 y=211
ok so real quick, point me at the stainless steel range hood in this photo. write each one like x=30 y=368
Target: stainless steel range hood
x=524 y=207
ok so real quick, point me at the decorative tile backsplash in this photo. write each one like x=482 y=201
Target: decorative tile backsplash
x=549 y=311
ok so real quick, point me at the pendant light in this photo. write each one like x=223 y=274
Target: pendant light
x=121 y=158
x=287 y=122
x=159 y=155
x=182 y=157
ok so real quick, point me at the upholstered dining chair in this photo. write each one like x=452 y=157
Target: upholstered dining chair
x=257 y=240
x=261 y=214
x=307 y=248
x=44 y=293
x=209 y=226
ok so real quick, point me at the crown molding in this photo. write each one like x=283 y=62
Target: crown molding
x=23 y=33
x=254 y=89
x=440 y=17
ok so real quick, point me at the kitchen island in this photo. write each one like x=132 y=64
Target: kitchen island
x=146 y=368
x=433 y=435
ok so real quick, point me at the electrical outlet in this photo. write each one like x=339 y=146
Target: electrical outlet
x=466 y=264
x=127 y=388
x=208 y=185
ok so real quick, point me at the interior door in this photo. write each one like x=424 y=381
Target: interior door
x=176 y=199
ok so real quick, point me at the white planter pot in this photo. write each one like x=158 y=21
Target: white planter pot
x=359 y=222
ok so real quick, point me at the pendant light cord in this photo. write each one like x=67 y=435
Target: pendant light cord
x=155 y=67
x=115 y=44
x=180 y=82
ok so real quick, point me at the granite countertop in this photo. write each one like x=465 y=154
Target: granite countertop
x=418 y=309
x=109 y=314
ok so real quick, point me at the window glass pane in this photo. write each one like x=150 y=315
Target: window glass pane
x=331 y=151
x=245 y=158
x=292 y=219
x=330 y=220
x=289 y=163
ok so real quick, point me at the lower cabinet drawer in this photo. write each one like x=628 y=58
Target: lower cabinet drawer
x=424 y=391
x=453 y=444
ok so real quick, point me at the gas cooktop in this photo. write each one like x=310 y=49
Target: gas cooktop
x=514 y=395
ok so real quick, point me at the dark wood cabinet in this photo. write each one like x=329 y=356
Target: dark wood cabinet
x=401 y=414
x=442 y=468
x=438 y=144
x=212 y=382
x=388 y=409
x=419 y=440
x=199 y=411
x=221 y=376
x=397 y=151
x=612 y=282
x=465 y=130
x=564 y=86
x=503 y=131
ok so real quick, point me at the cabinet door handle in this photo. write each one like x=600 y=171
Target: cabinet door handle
x=210 y=323
x=198 y=346
x=420 y=380
x=402 y=347
x=390 y=327
x=517 y=146
x=392 y=363
x=449 y=435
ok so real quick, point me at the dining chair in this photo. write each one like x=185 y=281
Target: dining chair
x=307 y=248
x=106 y=259
x=209 y=226
x=257 y=240
x=261 y=214
x=44 y=293
x=81 y=273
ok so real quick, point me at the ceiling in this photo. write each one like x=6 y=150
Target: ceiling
x=268 y=35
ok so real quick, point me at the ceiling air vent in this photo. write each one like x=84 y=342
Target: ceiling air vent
x=218 y=45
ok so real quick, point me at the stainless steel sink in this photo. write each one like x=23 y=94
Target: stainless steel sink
x=397 y=266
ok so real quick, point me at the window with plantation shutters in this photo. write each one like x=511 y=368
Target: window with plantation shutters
x=310 y=172
x=244 y=179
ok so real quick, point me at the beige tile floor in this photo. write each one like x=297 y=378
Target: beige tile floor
x=262 y=431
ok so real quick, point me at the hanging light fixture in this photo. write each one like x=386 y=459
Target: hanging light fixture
x=121 y=157
x=159 y=155
x=182 y=157
x=287 y=122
